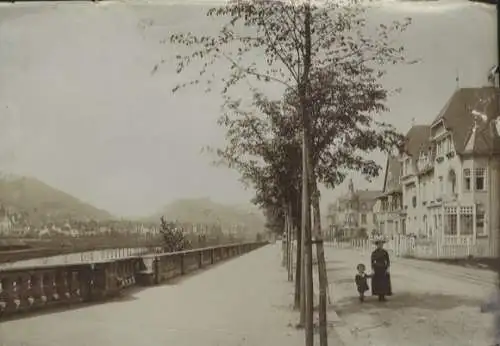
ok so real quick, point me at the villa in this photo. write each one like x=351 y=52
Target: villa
x=444 y=186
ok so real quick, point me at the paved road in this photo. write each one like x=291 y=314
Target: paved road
x=245 y=301
x=433 y=305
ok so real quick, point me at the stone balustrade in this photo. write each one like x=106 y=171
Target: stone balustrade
x=41 y=287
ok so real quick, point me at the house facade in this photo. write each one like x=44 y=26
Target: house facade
x=448 y=174
x=389 y=207
x=353 y=214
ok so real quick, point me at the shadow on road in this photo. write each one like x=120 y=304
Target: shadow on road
x=404 y=300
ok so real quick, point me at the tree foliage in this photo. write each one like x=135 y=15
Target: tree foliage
x=174 y=237
x=337 y=64
x=265 y=40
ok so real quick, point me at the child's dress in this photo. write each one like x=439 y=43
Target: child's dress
x=362 y=283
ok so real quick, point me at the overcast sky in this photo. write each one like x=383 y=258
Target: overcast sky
x=80 y=110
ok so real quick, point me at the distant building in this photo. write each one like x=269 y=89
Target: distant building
x=353 y=214
x=6 y=222
x=390 y=215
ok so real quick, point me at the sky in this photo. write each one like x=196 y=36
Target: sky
x=81 y=111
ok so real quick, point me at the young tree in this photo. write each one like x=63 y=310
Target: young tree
x=264 y=146
x=174 y=237
x=295 y=42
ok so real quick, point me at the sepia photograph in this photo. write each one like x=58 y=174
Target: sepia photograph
x=249 y=172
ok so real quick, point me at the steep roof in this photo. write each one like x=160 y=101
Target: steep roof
x=458 y=119
x=392 y=173
x=367 y=197
x=417 y=139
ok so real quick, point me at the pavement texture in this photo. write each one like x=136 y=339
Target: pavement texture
x=245 y=301
x=433 y=304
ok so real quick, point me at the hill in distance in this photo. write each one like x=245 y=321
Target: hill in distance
x=43 y=202
x=206 y=211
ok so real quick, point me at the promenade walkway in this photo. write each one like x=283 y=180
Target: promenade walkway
x=245 y=301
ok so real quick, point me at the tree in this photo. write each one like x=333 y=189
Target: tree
x=264 y=146
x=173 y=236
x=298 y=42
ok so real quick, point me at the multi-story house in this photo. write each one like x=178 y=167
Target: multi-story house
x=353 y=214
x=449 y=177
x=390 y=213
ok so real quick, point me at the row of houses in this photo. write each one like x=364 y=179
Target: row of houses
x=444 y=184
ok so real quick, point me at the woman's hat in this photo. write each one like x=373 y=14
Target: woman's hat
x=379 y=240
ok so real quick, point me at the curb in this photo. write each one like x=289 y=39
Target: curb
x=334 y=321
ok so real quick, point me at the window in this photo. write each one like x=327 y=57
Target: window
x=448 y=145
x=451 y=224
x=452 y=180
x=414 y=201
x=480 y=230
x=363 y=219
x=480 y=179
x=466 y=220
x=441 y=186
x=424 y=192
x=467 y=179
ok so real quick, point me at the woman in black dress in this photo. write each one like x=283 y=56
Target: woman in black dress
x=381 y=280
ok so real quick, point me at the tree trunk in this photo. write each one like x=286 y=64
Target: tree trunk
x=298 y=270
x=304 y=92
x=284 y=242
x=290 y=241
x=322 y=275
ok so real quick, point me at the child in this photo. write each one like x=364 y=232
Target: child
x=362 y=281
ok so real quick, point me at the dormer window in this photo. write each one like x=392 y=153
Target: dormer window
x=480 y=179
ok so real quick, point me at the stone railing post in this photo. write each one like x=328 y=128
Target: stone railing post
x=182 y=264
x=3 y=296
x=7 y=294
x=85 y=281
x=73 y=284
x=15 y=293
x=156 y=269
x=37 y=286
x=24 y=290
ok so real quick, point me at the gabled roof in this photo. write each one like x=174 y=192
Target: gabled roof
x=458 y=119
x=392 y=173
x=368 y=197
x=417 y=139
